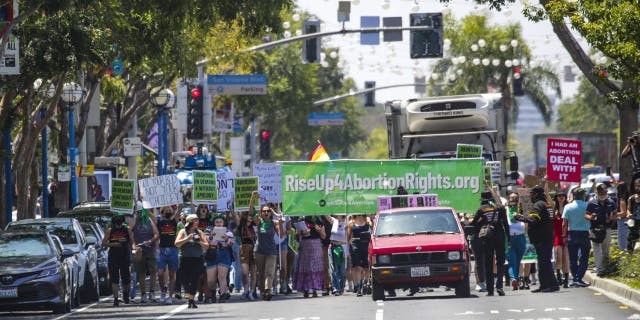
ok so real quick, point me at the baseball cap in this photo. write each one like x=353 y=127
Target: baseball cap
x=601 y=187
x=579 y=191
x=538 y=190
x=191 y=217
x=486 y=196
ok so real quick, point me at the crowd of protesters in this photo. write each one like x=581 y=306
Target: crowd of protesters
x=201 y=256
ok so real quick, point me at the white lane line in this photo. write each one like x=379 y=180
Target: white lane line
x=172 y=312
x=83 y=309
x=380 y=314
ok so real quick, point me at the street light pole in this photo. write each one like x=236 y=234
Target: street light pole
x=162 y=99
x=160 y=142
x=72 y=93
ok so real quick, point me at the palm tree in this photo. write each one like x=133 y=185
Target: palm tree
x=482 y=58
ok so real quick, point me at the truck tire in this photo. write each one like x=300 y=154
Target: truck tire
x=377 y=291
x=462 y=287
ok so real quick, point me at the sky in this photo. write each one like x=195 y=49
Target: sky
x=389 y=63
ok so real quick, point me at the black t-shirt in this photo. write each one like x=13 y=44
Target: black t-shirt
x=602 y=210
x=167 y=230
x=492 y=215
x=121 y=236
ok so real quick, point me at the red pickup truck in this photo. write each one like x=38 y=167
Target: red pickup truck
x=418 y=247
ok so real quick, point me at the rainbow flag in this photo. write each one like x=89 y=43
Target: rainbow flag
x=319 y=154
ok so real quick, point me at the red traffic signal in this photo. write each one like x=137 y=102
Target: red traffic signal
x=266 y=135
x=195 y=93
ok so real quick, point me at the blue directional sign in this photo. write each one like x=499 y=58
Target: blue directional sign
x=237 y=84
x=326 y=119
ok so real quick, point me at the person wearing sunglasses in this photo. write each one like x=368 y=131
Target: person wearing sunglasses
x=267 y=250
x=517 y=239
x=118 y=239
x=167 y=253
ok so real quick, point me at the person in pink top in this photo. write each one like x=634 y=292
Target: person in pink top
x=560 y=243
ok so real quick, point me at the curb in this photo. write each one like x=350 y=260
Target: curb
x=615 y=290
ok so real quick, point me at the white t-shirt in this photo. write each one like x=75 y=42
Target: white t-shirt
x=339 y=231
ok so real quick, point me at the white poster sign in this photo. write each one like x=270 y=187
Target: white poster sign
x=496 y=170
x=10 y=59
x=225 y=189
x=160 y=191
x=269 y=181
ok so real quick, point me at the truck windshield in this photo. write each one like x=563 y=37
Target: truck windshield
x=417 y=222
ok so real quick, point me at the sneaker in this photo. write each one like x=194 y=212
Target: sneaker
x=152 y=297
x=255 y=295
x=534 y=281
x=177 y=296
x=143 y=298
x=500 y=292
x=245 y=295
x=252 y=296
x=163 y=297
x=200 y=297
x=583 y=284
x=514 y=284
x=575 y=284
x=168 y=300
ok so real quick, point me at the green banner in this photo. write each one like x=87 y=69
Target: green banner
x=205 y=187
x=353 y=186
x=469 y=151
x=122 y=194
x=243 y=189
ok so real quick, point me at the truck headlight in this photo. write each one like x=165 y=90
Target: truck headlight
x=454 y=255
x=383 y=259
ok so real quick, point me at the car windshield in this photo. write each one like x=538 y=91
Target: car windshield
x=417 y=222
x=24 y=246
x=89 y=231
x=65 y=232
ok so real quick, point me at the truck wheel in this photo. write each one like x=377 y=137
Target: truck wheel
x=377 y=291
x=462 y=288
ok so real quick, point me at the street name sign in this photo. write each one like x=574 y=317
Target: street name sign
x=326 y=119
x=237 y=84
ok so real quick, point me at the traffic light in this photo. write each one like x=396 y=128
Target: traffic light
x=517 y=82
x=195 y=113
x=311 y=47
x=370 y=97
x=265 y=144
x=426 y=43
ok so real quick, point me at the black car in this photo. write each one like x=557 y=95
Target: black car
x=35 y=273
x=98 y=212
x=94 y=230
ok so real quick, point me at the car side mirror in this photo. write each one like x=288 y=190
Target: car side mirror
x=67 y=253
x=91 y=241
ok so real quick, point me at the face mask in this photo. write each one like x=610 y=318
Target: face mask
x=167 y=215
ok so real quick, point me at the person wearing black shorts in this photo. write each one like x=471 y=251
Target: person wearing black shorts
x=118 y=240
x=359 y=235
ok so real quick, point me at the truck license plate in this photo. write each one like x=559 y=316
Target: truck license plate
x=8 y=292
x=420 y=272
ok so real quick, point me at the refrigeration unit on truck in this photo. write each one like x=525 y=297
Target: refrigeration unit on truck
x=429 y=128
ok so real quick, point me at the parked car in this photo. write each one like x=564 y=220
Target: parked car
x=35 y=273
x=98 y=212
x=418 y=247
x=73 y=238
x=94 y=229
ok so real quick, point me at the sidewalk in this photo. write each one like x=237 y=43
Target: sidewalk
x=615 y=290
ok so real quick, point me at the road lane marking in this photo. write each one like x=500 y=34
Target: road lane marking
x=380 y=314
x=172 y=312
x=634 y=317
x=494 y=311
x=83 y=308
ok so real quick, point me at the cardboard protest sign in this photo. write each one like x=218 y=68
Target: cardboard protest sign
x=205 y=188
x=225 y=190
x=495 y=170
x=564 y=160
x=469 y=151
x=160 y=191
x=243 y=188
x=269 y=181
x=525 y=200
x=123 y=192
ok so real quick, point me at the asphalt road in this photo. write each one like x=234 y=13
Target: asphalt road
x=567 y=304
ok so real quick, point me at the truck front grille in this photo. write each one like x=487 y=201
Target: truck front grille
x=418 y=258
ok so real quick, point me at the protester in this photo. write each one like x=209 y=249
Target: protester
x=600 y=211
x=517 y=239
x=167 y=253
x=218 y=257
x=560 y=247
x=247 y=235
x=235 y=273
x=326 y=243
x=623 y=229
x=204 y=222
x=575 y=231
x=540 y=230
x=491 y=217
x=283 y=249
x=267 y=250
x=359 y=237
x=192 y=242
x=118 y=239
x=309 y=275
x=633 y=217
x=338 y=265
x=145 y=235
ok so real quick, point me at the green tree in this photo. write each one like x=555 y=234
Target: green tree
x=578 y=113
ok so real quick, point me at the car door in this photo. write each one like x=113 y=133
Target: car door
x=89 y=252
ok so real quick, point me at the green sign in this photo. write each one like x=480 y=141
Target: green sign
x=243 y=189
x=293 y=243
x=469 y=151
x=205 y=187
x=122 y=194
x=353 y=186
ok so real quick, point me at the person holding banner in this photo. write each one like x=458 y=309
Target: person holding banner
x=338 y=254
x=309 y=275
x=246 y=233
x=517 y=239
x=267 y=250
x=359 y=236
x=118 y=239
x=192 y=241
x=218 y=257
